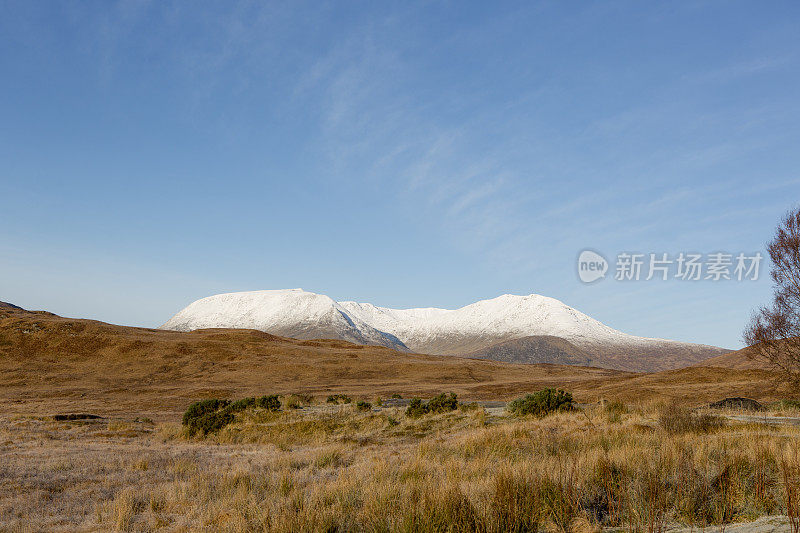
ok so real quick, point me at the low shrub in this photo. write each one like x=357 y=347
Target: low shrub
x=396 y=396
x=443 y=403
x=615 y=407
x=337 y=399
x=361 y=405
x=209 y=416
x=542 y=403
x=210 y=422
x=203 y=407
x=270 y=403
x=416 y=408
x=241 y=405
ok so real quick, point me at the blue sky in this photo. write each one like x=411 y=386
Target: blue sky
x=407 y=154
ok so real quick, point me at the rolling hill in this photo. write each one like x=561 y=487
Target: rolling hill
x=50 y=364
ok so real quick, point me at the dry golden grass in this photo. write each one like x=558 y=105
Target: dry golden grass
x=334 y=468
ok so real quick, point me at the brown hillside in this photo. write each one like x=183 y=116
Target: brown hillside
x=50 y=364
x=739 y=360
x=692 y=386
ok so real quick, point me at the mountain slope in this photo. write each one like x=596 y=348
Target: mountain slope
x=477 y=326
x=535 y=349
x=467 y=330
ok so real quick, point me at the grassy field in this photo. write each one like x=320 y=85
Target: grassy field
x=634 y=466
x=334 y=468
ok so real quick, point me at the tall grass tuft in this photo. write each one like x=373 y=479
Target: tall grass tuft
x=676 y=419
x=790 y=472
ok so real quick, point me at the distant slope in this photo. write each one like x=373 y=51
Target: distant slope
x=692 y=386
x=472 y=329
x=736 y=360
x=536 y=349
x=5 y=305
x=740 y=360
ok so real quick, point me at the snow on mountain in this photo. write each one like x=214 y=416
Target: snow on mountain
x=507 y=316
x=467 y=330
x=289 y=313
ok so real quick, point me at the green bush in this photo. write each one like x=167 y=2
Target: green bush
x=361 y=405
x=210 y=422
x=337 y=399
x=270 y=403
x=443 y=403
x=396 y=396
x=541 y=403
x=416 y=408
x=203 y=407
x=241 y=405
x=207 y=416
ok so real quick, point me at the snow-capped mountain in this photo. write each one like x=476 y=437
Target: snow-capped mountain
x=471 y=330
x=467 y=329
x=289 y=313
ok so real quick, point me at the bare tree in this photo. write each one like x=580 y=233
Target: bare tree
x=774 y=331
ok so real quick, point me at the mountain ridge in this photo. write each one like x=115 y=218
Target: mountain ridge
x=464 y=331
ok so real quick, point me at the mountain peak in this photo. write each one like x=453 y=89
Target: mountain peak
x=467 y=330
